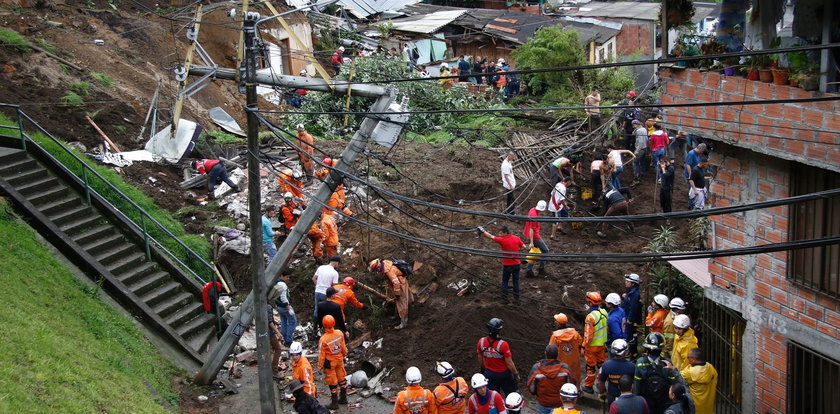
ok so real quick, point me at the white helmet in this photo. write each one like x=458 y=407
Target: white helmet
x=619 y=347
x=444 y=65
x=300 y=127
x=288 y=194
x=295 y=348
x=444 y=369
x=661 y=300
x=541 y=205
x=677 y=303
x=341 y=48
x=613 y=299
x=297 y=174
x=682 y=321
x=568 y=391
x=632 y=277
x=412 y=375
x=478 y=381
x=502 y=61
x=514 y=401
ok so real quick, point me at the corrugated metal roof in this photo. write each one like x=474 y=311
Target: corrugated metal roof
x=364 y=8
x=637 y=11
x=696 y=270
x=428 y=23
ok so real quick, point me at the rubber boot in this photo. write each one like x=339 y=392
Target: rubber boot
x=342 y=399
x=333 y=402
x=403 y=323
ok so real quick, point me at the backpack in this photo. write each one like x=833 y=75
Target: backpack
x=404 y=267
x=655 y=384
x=415 y=54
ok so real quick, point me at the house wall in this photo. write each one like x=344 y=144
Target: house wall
x=754 y=168
x=634 y=38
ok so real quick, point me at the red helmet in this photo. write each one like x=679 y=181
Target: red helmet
x=594 y=298
x=632 y=94
x=349 y=281
x=328 y=322
x=327 y=161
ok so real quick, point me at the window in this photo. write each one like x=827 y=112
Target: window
x=813 y=381
x=722 y=337
x=816 y=268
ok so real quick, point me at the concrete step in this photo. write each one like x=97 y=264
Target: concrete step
x=59 y=204
x=195 y=325
x=71 y=214
x=80 y=225
x=26 y=177
x=126 y=262
x=94 y=234
x=44 y=191
x=17 y=166
x=161 y=293
x=137 y=273
x=149 y=282
x=9 y=155
x=172 y=303
x=200 y=341
x=94 y=245
x=185 y=314
x=114 y=252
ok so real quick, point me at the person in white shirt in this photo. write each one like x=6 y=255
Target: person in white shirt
x=615 y=161
x=509 y=181
x=557 y=206
x=325 y=276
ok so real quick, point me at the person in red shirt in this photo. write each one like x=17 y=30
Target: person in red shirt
x=658 y=143
x=214 y=170
x=510 y=263
x=532 y=234
x=496 y=360
x=483 y=400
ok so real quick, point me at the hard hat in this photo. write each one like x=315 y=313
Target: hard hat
x=561 y=318
x=295 y=348
x=532 y=258
x=633 y=278
x=502 y=60
x=654 y=341
x=297 y=174
x=349 y=281
x=300 y=127
x=374 y=264
x=499 y=65
x=478 y=381
x=295 y=385
x=412 y=375
x=444 y=369
x=541 y=205
x=661 y=300
x=341 y=48
x=594 y=298
x=682 y=321
x=613 y=299
x=568 y=390
x=494 y=326
x=328 y=322
x=619 y=347
x=677 y=303
x=288 y=194
x=327 y=161
x=359 y=379
x=514 y=401
x=632 y=94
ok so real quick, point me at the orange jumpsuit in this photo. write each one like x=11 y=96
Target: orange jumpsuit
x=594 y=341
x=655 y=321
x=568 y=342
x=288 y=183
x=344 y=295
x=305 y=143
x=337 y=201
x=289 y=218
x=332 y=348
x=398 y=287
x=415 y=399
x=316 y=237
x=330 y=229
x=451 y=396
x=302 y=371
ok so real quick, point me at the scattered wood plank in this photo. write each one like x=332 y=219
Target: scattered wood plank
x=58 y=58
x=102 y=134
x=501 y=29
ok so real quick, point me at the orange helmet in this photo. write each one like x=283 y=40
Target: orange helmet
x=594 y=298
x=328 y=322
x=374 y=264
x=349 y=281
x=561 y=318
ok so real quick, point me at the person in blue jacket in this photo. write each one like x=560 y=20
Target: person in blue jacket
x=616 y=319
x=632 y=305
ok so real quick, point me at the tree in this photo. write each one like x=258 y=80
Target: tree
x=550 y=47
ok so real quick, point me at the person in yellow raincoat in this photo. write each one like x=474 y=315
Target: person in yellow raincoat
x=684 y=340
x=702 y=379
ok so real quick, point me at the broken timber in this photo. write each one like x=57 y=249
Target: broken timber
x=297 y=82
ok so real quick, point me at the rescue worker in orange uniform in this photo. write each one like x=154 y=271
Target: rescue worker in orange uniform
x=568 y=342
x=546 y=378
x=414 y=399
x=337 y=201
x=302 y=369
x=397 y=285
x=304 y=141
x=290 y=182
x=316 y=238
x=331 y=353
x=330 y=228
x=655 y=320
x=344 y=294
x=450 y=395
x=290 y=210
x=569 y=393
x=594 y=340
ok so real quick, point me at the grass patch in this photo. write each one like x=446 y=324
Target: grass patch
x=64 y=68
x=81 y=88
x=13 y=41
x=103 y=79
x=72 y=99
x=46 y=46
x=64 y=349
x=195 y=242
x=68 y=53
x=222 y=138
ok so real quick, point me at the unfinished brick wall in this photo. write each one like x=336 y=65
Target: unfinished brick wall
x=763 y=126
x=634 y=38
x=771 y=370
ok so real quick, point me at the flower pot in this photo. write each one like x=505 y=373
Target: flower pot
x=753 y=75
x=793 y=82
x=781 y=76
x=729 y=71
x=810 y=83
x=765 y=75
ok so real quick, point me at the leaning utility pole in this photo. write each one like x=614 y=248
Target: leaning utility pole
x=265 y=370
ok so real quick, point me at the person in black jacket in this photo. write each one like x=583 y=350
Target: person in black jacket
x=328 y=307
x=305 y=403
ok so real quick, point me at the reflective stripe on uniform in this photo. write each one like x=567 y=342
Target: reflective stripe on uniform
x=599 y=337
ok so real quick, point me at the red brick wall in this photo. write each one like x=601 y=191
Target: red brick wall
x=771 y=373
x=758 y=125
x=633 y=38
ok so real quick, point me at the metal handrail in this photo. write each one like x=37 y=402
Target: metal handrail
x=144 y=215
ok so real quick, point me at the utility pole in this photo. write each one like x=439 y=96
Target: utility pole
x=664 y=35
x=265 y=370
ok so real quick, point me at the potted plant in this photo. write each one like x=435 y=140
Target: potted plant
x=807 y=79
x=730 y=64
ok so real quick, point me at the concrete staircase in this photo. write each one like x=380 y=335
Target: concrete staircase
x=104 y=244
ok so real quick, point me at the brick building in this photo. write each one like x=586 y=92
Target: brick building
x=771 y=322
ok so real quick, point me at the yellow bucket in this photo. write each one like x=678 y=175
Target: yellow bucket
x=586 y=194
x=577 y=225
x=532 y=259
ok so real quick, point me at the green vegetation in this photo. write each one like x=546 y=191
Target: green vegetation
x=64 y=350
x=664 y=278
x=68 y=53
x=64 y=68
x=194 y=241
x=222 y=138
x=46 y=46
x=13 y=41
x=81 y=88
x=103 y=79
x=72 y=99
